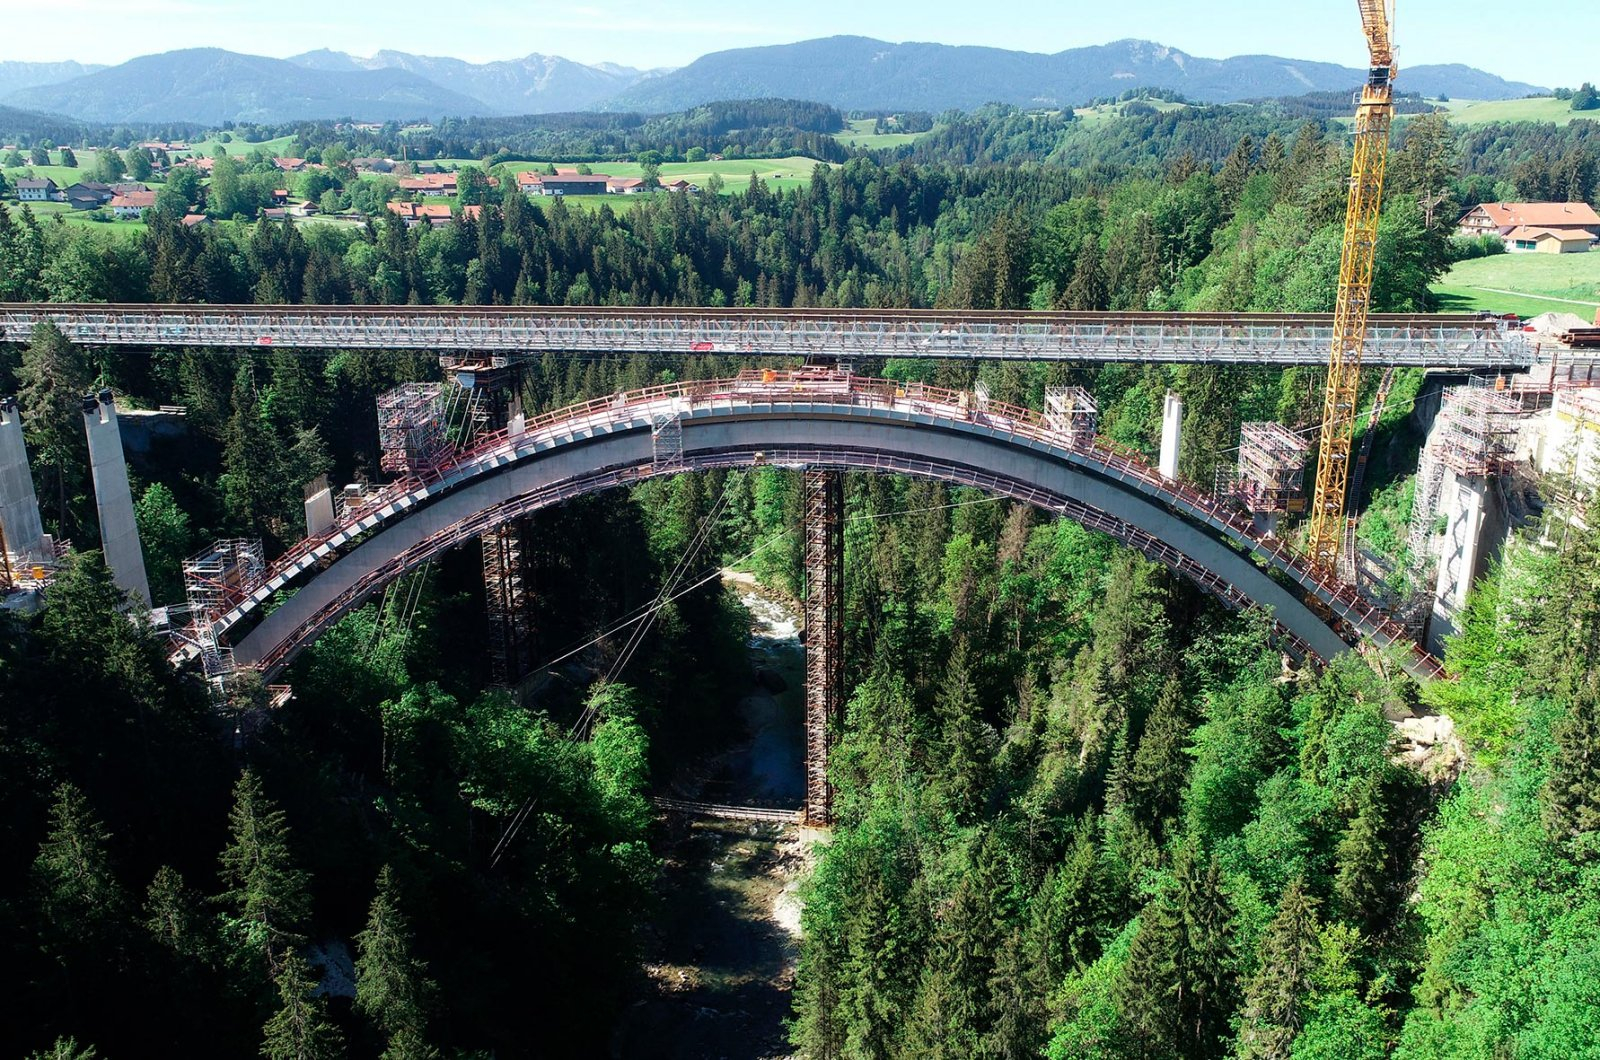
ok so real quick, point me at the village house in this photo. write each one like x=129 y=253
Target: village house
x=131 y=207
x=196 y=220
x=88 y=195
x=435 y=214
x=430 y=184
x=280 y=196
x=625 y=186
x=41 y=189
x=1548 y=227
x=290 y=165
x=372 y=165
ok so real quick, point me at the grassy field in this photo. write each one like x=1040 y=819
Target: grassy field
x=1540 y=108
x=277 y=148
x=1538 y=283
x=1101 y=115
x=47 y=211
x=861 y=135
x=792 y=172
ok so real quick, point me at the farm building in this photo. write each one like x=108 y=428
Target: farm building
x=1569 y=219
x=1526 y=239
x=41 y=190
x=88 y=195
x=565 y=182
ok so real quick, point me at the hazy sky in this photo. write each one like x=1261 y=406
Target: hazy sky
x=1560 y=33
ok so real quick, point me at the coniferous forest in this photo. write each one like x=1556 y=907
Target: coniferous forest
x=1084 y=811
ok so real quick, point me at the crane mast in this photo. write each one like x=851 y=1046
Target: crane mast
x=1374 y=115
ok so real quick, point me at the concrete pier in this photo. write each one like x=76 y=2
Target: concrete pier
x=19 y=504
x=1171 y=435
x=1466 y=505
x=119 y=531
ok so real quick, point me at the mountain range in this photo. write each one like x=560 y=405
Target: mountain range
x=210 y=85
x=859 y=73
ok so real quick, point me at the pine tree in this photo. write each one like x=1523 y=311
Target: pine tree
x=1175 y=993
x=1236 y=169
x=392 y=987
x=1088 y=289
x=1148 y=989
x=1572 y=791
x=172 y=915
x=251 y=458
x=79 y=894
x=66 y=1049
x=1208 y=996
x=1273 y=155
x=53 y=379
x=1017 y=994
x=1275 y=999
x=1359 y=891
x=968 y=740
x=1067 y=909
x=1160 y=765
x=950 y=1014
x=872 y=995
x=300 y=1029
x=266 y=893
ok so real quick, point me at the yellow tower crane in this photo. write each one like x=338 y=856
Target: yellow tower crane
x=1374 y=115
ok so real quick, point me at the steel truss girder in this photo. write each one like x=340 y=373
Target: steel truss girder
x=842 y=335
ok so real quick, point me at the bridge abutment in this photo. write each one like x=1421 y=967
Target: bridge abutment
x=824 y=634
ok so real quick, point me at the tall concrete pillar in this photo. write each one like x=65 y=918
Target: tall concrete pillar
x=1171 y=435
x=319 y=507
x=824 y=633
x=1458 y=556
x=19 y=505
x=119 y=532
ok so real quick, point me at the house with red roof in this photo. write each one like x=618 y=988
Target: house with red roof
x=132 y=205
x=1546 y=227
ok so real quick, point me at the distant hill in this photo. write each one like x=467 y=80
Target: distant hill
x=534 y=84
x=866 y=74
x=28 y=125
x=14 y=77
x=210 y=86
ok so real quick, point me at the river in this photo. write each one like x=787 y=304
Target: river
x=719 y=955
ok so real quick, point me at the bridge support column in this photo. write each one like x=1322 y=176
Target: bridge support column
x=119 y=532
x=1466 y=504
x=505 y=589
x=19 y=505
x=1171 y=435
x=824 y=617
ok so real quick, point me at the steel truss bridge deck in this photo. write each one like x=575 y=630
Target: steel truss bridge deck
x=1238 y=338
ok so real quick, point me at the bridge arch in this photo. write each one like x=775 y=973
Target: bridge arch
x=793 y=419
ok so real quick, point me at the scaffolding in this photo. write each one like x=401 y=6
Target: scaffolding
x=1272 y=468
x=223 y=575
x=1070 y=411
x=411 y=428
x=824 y=633
x=504 y=574
x=1474 y=436
x=666 y=439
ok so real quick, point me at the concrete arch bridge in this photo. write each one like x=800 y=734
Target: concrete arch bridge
x=817 y=420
